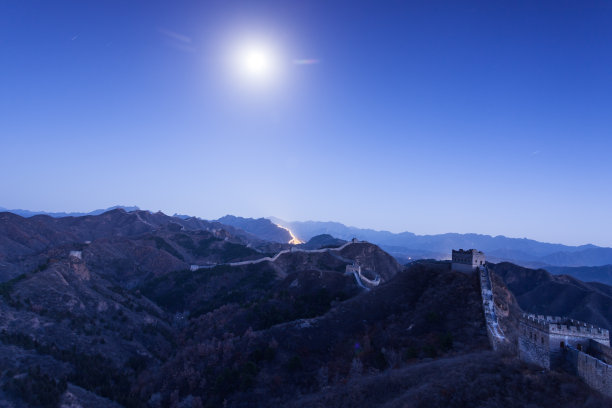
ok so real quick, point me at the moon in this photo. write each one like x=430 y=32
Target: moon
x=257 y=62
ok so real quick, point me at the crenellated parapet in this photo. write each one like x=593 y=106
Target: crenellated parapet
x=543 y=340
x=585 y=331
x=565 y=326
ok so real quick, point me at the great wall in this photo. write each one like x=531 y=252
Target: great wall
x=551 y=342
x=468 y=262
x=561 y=343
x=494 y=330
x=352 y=267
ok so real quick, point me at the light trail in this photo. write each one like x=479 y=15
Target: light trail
x=294 y=240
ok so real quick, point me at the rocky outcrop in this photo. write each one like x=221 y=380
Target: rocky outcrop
x=371 y=257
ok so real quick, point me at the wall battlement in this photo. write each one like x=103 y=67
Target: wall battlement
x=557 y=342
x=565 y=326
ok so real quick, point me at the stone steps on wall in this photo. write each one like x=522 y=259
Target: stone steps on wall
x=495 y=332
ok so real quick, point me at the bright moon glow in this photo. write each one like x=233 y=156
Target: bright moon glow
x=257 y=62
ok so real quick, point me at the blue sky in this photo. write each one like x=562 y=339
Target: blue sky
x=431 y=117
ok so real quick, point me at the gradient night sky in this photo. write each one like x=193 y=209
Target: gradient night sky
x=492 y=117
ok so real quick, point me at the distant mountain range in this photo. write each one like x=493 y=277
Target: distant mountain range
x=28 y=213
x=406 y=245
x=601 y=274
x=189 y=241
x=262 y=228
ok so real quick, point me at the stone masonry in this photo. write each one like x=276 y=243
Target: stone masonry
x=542 y=339
x=467 y=261
x=554 y=342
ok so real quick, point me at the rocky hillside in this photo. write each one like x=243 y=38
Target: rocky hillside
x=109 y=311
x=65 y=327
x=480 y=379
x=322 y=241
x=418 y=340
x=76 y=326
x=313 y=329
x=203 y=292
x=124 y=241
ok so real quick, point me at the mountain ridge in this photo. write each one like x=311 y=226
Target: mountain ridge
x=261 y=227
x=28 y=213
x=407 y=245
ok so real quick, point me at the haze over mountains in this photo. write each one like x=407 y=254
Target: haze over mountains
x=407 y=246
x=28 y=213
x=499 y=248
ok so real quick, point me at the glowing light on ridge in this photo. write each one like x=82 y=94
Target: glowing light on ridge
x=294 y=240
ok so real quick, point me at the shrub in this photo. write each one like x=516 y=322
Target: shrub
x=294 y=364
x=161 y=243
x=36 y=389
x=6 y=288
x=446 y=341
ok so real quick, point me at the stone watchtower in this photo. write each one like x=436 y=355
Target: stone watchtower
x=467 y=261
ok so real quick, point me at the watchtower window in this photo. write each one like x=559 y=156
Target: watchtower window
x=542 y=339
